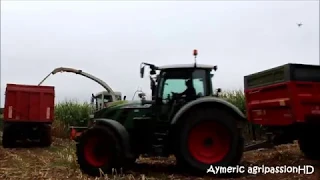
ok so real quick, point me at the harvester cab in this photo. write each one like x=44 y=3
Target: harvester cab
x=103 y=99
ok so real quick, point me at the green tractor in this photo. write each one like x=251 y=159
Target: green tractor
x=192 y=123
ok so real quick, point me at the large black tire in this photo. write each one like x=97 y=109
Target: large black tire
x=99 y=148
x=8 y=137
x=45 y=136
x=307 y=143
x=210 y=131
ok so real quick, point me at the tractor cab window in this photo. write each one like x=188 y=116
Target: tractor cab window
x=118 y=97
x=107 y=98
x=175 y=81
x=173 y=85
x=199 y=86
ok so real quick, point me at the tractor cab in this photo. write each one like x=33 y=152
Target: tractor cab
x=183 y=82
x=175 y=85
x=101 y=99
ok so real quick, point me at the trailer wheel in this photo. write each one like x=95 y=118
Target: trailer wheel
x=209 y=137
x=8 y=137
x=45 y=136
x=98 y=148
x=307 y=144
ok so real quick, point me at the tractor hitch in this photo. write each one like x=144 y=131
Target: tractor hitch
x=259 y=145
x=266 y=144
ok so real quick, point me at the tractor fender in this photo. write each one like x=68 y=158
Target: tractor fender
x=209 y=100
x=120 y=131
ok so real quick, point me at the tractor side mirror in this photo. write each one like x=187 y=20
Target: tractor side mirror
x=153 y=72
x=142 y=72
x=215 y=68
x=124 y=98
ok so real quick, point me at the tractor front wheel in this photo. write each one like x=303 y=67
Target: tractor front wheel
x=209 y=137
x=98 y=149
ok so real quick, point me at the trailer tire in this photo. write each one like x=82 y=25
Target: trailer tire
x=45 y=136
x=307 y=144
x=8 y=137
x=200 y=144
x=98 y=149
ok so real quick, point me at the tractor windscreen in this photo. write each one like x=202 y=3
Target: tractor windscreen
x=175 y=81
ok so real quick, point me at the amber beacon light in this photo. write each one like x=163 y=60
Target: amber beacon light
x=195 y=52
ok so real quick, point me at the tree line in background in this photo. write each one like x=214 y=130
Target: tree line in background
x=72 y=113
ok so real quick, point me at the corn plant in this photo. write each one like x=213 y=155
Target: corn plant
x=235 y=97
x=70 y=113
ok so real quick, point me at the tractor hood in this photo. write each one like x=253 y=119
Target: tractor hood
x=112 y=107
x=128 y=104
x=116 y=103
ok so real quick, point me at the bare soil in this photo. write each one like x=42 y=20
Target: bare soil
x=59 y=162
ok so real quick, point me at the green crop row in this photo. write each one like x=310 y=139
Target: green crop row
x=70 y=113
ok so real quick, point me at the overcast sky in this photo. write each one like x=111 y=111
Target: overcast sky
x=110 y=39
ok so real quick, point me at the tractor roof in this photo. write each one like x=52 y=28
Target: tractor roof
x=186 y=66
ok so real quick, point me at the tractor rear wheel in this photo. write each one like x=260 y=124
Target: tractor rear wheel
x=98 y=148
x=209 y=137
x=307 y=144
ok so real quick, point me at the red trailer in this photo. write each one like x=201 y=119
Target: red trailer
x=28 y=114
x=286 y=101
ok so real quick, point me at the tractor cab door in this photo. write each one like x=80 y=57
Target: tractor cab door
x=174 y=81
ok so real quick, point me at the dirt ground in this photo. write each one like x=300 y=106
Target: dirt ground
x=59 y=162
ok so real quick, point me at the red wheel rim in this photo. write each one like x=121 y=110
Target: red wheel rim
x=209 y=142
x=96 y=152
